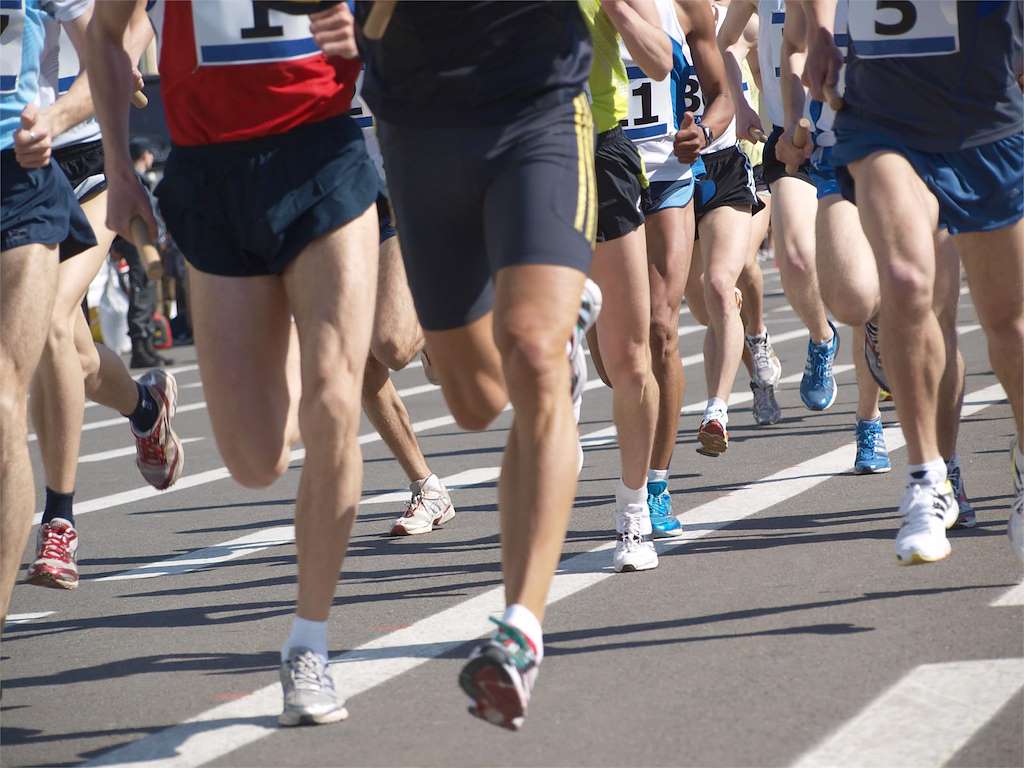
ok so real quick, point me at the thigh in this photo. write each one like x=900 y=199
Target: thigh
x=331 y=289
x=794 y=203
x=669 y=250
x=695 y=286
x=725 y=238
x=28 y=281
x=620 y=269
x=994 y=263
x=845 y=261
x=395 y=326
x=242 y=330
x=76 y=273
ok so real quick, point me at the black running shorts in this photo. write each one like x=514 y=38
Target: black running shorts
x=248 y=208
x=473 y=199
x=773 y=169
x=728 y=180
x=620 y=184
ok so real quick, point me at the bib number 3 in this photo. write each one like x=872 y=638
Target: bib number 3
x=901 y=28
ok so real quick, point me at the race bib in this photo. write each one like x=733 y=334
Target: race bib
x=899 y=28
x=12 y=26
x=234 y=32
x=650 y=106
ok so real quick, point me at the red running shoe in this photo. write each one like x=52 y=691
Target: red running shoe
x=158 y=453
x=56 y=556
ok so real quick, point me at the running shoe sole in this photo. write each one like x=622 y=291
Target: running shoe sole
x=496 y=698
x=400 y=530
x=711 y=444
x=916 y=558
x=49 y=577
x=292 y=719
x=871 y=471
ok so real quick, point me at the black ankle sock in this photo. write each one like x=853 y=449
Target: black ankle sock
x=144 y=416
x=58 y=505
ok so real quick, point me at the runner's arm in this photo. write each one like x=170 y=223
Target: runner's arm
x=640 y=26
x=794 y=47
x=734 y=44
x=112 y=86
x=824 y=59
x=698 y=23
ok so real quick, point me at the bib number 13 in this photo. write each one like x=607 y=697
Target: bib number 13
x=901 y=28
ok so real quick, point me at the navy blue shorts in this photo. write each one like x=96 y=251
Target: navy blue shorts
x=39 y=206
x=385 y=222
x=823 y=174
x=472 y=200
x=979 y=189
x=248 y=208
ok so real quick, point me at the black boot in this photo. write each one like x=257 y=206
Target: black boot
x=152 y=350
x=143 y=355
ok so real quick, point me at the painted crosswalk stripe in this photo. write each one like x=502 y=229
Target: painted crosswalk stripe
x=90 y=458
x=235 y=724
x=26 y=618
x=924 y=719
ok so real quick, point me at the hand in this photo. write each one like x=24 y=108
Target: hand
x=788 y=153
x=334 y=30
x=689 y=140
x=824 y=60
x=126 y=200
x=748 y=123
x=33 y=142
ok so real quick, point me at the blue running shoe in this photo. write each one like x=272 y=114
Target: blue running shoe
x=818 y=387
x=659 y=500
x=872 y=456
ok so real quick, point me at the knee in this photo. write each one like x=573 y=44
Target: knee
x=720 y=295
x=909 y=287
x=330 y=405
x=847 y=308
x=255 y=469
x=533 y=359
x=396 y=352
x=664 y=337
x=798 y=258
x=629 y=367
x=89 y=359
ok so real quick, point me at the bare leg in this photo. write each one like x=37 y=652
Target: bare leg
x=751 y=280
x=28 y=281
x=669 y=249
x=899 y=215
x=951 y=385
x=793 y=204
x=387 y=413
x=397 y=336
x=620 y=270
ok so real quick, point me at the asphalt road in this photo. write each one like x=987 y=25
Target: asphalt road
x=779 y=630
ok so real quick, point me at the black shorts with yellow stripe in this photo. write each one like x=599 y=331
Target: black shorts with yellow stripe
x=621 y=182
x=472 y=199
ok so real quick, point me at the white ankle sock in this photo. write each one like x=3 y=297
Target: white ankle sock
x=657 y=475
x=717 y=408
x=522 y=618
x=624 y=495
x=306 y=634
x=930 y=473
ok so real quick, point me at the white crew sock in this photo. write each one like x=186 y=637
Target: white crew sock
x=306 y=634
x=625 y=496
x=522 y=618
x=633 y=504
x=431 y=483
x=717 y=409
x=930 y=473
x=657 y=475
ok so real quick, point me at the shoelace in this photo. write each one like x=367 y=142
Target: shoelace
x=761 y=348
x=307 y=672
x=866 y=440
x=819 y=363
x=57 y=543
x=412 y=504
x=151 y=447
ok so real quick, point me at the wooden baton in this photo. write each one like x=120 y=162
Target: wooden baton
x=139 y=100
x=147 y=251
x=377 y=22
x=834 y=99
x=758 y=135
x=800 y=137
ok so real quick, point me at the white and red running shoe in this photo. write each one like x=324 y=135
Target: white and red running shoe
x=499 y=677
x=158 y=452
x=56 y=563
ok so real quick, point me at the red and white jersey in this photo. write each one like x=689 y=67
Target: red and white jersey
x=232 y=70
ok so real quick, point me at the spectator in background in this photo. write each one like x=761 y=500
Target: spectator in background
x=142 y=290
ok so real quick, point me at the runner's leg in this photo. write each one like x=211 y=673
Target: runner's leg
x=28 y=275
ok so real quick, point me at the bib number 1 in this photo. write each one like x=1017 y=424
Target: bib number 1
x=12 y=26
x=650 y=106
x=902 y=28
x=231 y=32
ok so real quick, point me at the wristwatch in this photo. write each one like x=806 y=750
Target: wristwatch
x=709 y=135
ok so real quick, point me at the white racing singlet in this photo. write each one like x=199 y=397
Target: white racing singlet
x=364 y=119
x=58 y=69
x=771 y=15
x=695 y=101
x=654 y=108
x=822 y=115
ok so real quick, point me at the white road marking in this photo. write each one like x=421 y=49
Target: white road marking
x=924 y=719
x=90 y=458
x=1012 y=597
x=122 y=421
x=25 y=618
x=200 y=739
x=273 y=537
x=213 y=475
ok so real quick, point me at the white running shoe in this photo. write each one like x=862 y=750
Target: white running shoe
x=429 y=506
x=927 y=512
x=634 y=551
x=767 y=366
x=1015 y=526
x=158 y=452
